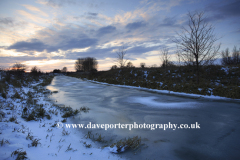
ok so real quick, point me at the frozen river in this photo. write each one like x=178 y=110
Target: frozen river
x=217 y=138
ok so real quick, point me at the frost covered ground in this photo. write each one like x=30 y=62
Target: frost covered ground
x=40 y=138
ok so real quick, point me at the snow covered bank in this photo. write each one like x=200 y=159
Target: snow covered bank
x=28 y=129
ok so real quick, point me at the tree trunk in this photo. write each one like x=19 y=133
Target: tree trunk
x=197 y=70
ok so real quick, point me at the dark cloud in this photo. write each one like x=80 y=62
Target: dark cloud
x=231 y=9
x=169 y=22
x=106 y=30
x=78 y=43
x=139 y=50
x=92 y=14
x=223 y=10
x=135 y=25
x=33 y=45
x=6 y=20
x=93 y=52
x=37 y=45
x=89 y=15
x=11 y=22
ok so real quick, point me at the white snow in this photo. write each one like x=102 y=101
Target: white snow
x=226 y=69
x=146 y=74
x=52 y=143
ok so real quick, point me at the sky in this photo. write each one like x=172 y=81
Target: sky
x=52 y=34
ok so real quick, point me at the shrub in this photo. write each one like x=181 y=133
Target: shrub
x=35 y=142
x=4 y=95
x=130 y=143
x=16 y=83
x=4 y=141
x=12 y=119
x=84 y=109
x=67 y=114
x=40 y=112
x=16 y=95
x=31 y=116
x=21 y=155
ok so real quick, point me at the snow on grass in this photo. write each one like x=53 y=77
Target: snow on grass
x=226 y=69
x=40 y=138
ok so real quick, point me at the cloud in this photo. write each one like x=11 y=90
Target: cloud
x=106 y=30
x=78 y=43
x=135 y=25
x=31 y=16
x=32 y=45
x=57 y=3
x=39 y=46
x=169 y=22
x=223 y=10
x=92 y=14
x=139 y=50
x=35 y=9
x=6 y=20
x=11 y=22
x=231 y=9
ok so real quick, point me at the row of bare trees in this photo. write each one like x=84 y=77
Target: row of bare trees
x=231 y=58
x=87 y=64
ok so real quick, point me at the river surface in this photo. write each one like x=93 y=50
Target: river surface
x=217 y=138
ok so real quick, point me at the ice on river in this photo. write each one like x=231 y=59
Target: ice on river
x=152 y=102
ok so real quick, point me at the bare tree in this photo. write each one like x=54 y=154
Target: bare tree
x=79 y=64
x=35 y=71
x=154 y=66
x=142 y=65
x=236 y=55
x=226 y=57
x=231 y=59
x=64 y=69
x=196 y=42
x=130 y=65
x=87 y=64
x=19 y=67
x=114 y=67
x=121 y=61
x=165 y=57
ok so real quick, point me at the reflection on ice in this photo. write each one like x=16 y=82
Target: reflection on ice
x=151 y=102
x=72 y=83
x=92 y=87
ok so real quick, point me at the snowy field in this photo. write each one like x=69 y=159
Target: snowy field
x=40 y=138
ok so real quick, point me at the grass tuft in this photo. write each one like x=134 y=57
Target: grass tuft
x=21 y=155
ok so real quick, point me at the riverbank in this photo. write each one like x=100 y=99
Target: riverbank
x=214 y=81
x=29 y=125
